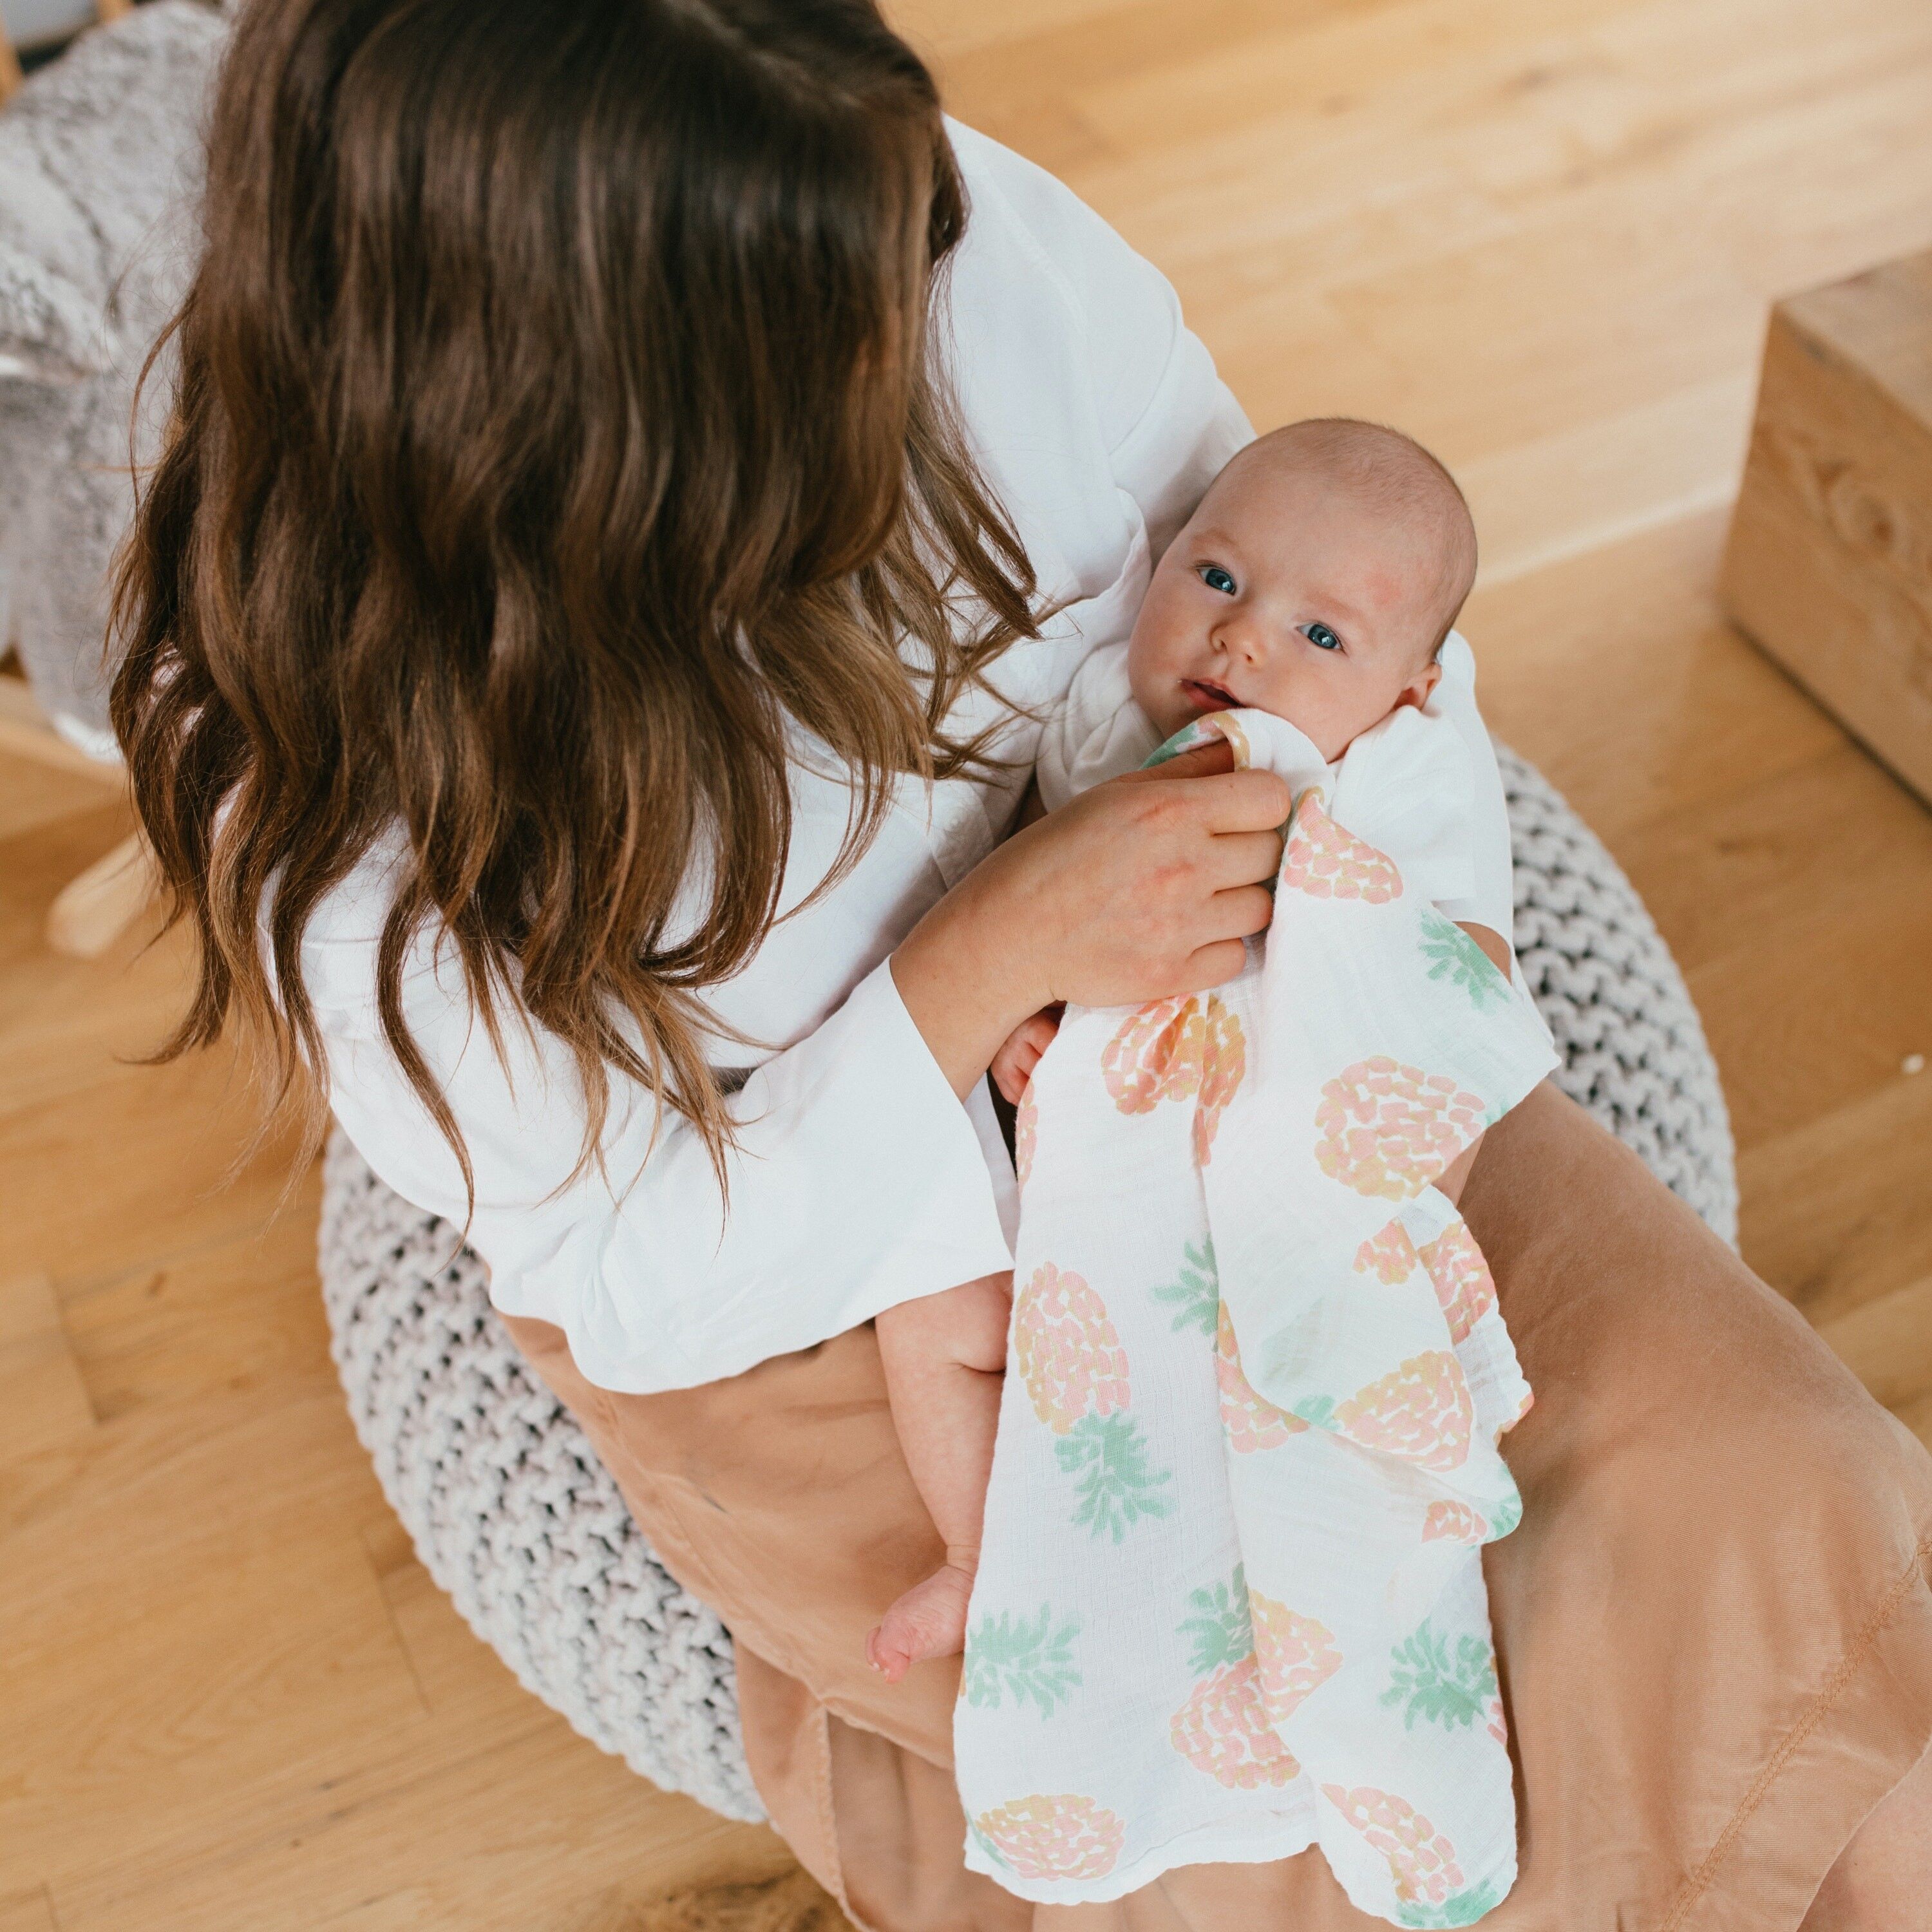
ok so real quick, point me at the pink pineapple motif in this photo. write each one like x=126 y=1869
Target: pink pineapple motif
x=1225 y=1060
x=1327 y=861
x=1421 y=1412
x=1064 y=1836
x=1493 y=1718
x=1296 y=1654
x=1463 y=1283
x=1026 y=1132
x=1252 y=1423
x=1068 y=1355
x=1455 y=1521
x=1388 y=1130
x=1067 y=1350
x=1223 y=1728
x=1184 y=1047
x=1155 y=1055
x=1389 y=1256
x=1421 y=1861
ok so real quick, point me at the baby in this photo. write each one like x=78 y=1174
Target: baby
x=1317 y=581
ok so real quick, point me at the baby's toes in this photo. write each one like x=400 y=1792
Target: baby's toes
x=929 y=1620
x=885 y=1651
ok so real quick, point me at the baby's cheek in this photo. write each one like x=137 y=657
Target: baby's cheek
x=1154 y=666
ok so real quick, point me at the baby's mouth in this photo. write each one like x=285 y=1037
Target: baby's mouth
x=1210 y=696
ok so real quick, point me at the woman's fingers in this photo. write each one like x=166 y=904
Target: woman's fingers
x=1151 y=880
x=1242 y=858
x=1226 y=800
x=1238 y=912
x=1245 y=801
x=1212 y=965
x=1217 y=755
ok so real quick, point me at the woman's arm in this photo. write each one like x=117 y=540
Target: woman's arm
x=860 y=1181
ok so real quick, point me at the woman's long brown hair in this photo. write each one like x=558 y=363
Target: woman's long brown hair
x=555 y=431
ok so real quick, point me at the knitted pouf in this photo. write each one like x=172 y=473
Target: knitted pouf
x=1633 y=1049
x=517 y=1520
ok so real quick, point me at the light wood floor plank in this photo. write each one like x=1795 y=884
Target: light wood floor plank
x=1837 y=1212
x=43 y=1392
x=1616 y=674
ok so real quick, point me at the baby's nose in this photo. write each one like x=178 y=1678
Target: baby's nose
x=1242 y=637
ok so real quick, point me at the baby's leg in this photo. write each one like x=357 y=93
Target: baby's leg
x=944 y=1356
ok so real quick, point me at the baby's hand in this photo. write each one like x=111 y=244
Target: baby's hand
x=1014 y=1063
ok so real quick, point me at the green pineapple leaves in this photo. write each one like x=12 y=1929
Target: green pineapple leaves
x=1222 y=1628
x=1196 y=1295
x=1464 y=1909
x=1030 y=1659
x=1438 y=1687
x=1456 y=958
x=1108 y=1454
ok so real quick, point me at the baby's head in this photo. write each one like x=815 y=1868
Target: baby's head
x=1326 y=564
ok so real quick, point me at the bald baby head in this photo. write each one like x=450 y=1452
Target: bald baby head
x=1316 y=580
x=1397 y=485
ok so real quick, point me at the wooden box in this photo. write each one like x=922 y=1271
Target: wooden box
x=1828 y=567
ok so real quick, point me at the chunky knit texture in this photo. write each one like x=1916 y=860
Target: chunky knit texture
x=100 y=176
x=515 y=1518
x=1634 y=1053
x=507 y=1505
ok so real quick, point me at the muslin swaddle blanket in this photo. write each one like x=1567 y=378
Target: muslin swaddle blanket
x=1230 y=1602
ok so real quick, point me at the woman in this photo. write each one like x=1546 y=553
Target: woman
x=635 y=472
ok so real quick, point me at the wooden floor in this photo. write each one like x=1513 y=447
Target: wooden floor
x=1541 y=234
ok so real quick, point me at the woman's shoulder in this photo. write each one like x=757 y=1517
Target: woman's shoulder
x=1029 y=235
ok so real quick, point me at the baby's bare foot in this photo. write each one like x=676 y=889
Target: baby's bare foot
x=929 y=1620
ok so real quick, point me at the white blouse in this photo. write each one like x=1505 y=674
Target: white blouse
x=860 y=1180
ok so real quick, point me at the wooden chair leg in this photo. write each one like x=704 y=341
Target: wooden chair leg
x=95 y=909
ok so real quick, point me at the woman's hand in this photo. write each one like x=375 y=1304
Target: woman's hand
x=1144 y=887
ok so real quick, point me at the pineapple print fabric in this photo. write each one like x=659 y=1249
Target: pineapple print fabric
x=1231 y=1602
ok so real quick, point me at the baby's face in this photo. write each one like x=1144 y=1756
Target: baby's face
x=1288 y=594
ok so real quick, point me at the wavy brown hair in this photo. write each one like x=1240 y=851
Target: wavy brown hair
x=555 y=431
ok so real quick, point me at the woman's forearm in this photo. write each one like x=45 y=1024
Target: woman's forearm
x=960 y=986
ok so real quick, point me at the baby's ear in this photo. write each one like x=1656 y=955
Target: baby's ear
x=1416 y=690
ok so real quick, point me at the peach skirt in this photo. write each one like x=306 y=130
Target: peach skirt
x=1714 y=1627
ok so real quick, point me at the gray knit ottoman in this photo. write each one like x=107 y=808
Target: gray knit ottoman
x=515 y=1517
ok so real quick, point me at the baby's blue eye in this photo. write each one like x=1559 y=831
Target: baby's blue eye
x=1216 y=578
x=1321 y=638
